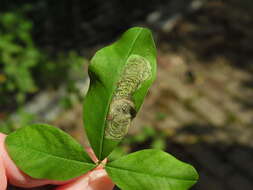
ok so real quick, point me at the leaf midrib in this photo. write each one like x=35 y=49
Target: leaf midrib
x=51 y=155
x=107 y=108
x=142 y=173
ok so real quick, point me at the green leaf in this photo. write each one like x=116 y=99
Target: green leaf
x=45 y=152
x=120 y=76
x=151 y=169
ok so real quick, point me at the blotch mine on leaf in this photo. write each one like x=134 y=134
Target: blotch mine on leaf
x=122 y=109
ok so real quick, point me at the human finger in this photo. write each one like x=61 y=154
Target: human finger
x=3 y=180
x=96 y=179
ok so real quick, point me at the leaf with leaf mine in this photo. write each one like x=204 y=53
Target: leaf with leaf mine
x=120 y=76
x=122 y=109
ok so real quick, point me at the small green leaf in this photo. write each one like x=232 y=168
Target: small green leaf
x=45 y=152
x=151 y=169
x=120 y=76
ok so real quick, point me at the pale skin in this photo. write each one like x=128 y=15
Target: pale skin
x=96 y=179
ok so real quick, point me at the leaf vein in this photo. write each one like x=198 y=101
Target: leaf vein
x=127 y=55
x=51 y=155
x=173 y=177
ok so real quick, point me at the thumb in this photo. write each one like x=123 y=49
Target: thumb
x=96 y=179
x=3 y=180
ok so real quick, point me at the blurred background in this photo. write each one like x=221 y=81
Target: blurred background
x=200 y=108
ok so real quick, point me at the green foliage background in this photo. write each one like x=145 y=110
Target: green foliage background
x=25 y=68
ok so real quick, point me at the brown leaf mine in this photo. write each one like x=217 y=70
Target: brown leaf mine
x=122 y=109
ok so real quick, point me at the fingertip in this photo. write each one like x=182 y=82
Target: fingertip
x=80 y=183
x=94 y=180
x=100 y=180
x=3 y=180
